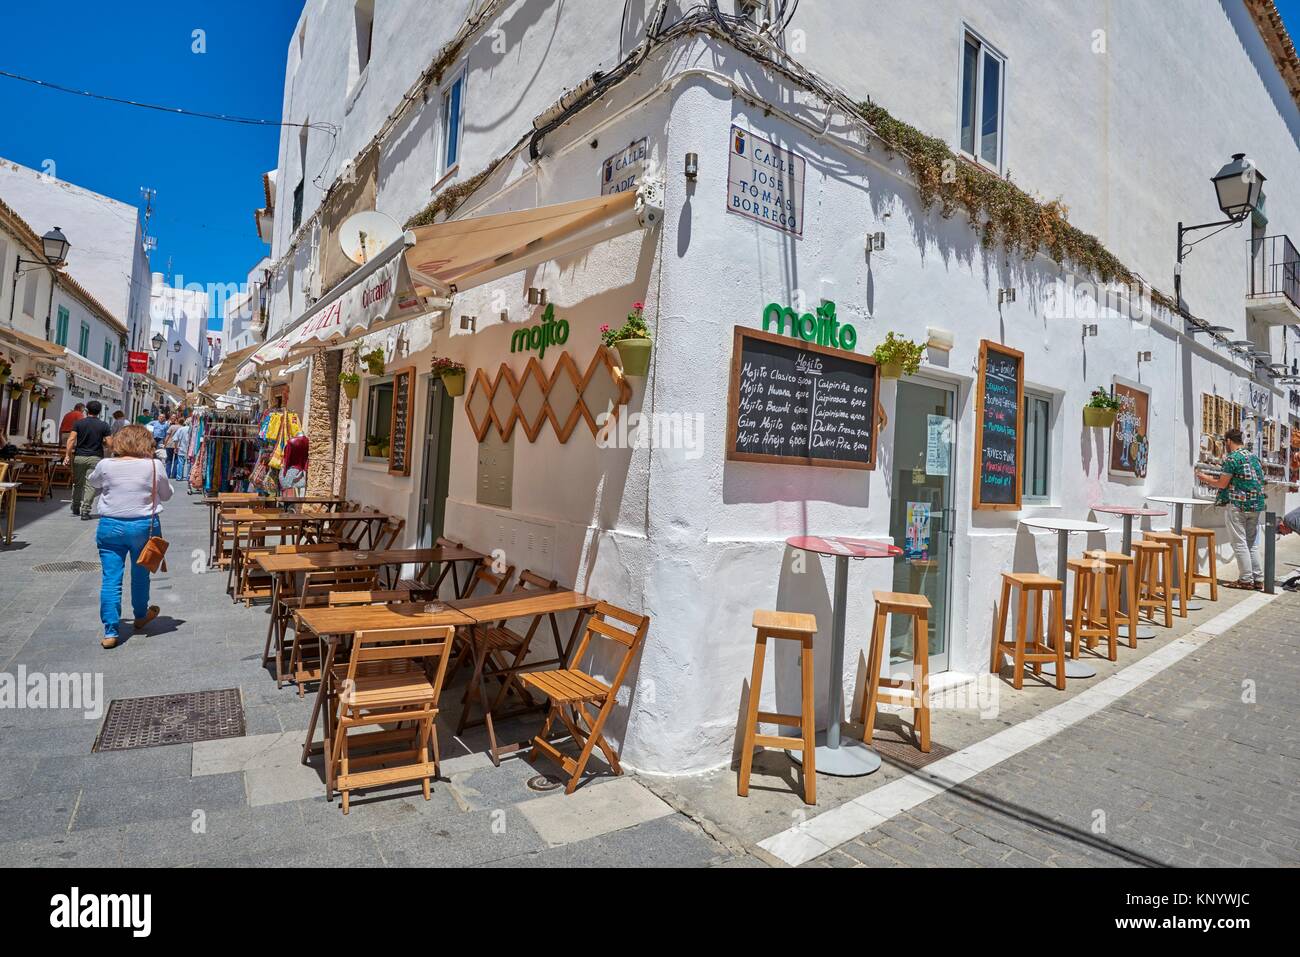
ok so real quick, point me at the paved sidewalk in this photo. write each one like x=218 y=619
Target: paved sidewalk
x=1185 y=769
x=1197 y=767
x=249 y=801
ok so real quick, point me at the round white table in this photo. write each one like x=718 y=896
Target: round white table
x=1064 y=527
x=1179 y=504
x=1128 y=513
x=845 y=758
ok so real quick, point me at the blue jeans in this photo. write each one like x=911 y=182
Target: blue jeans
x=119 y=539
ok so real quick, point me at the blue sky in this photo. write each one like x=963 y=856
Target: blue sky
x=207 y=173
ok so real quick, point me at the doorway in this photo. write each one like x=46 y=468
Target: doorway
x=437 y=461
x=922 y=515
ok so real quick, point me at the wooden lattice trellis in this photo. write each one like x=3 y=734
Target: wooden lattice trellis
x=532 y=398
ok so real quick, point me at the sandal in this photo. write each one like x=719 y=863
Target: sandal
x=154 y=612
x=1243 y=585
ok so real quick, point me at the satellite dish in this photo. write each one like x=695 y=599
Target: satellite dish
x=363 y=235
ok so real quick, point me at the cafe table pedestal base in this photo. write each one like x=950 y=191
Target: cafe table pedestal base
x=1074 y=668
x=848 y=758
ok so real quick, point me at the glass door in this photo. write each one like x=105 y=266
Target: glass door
x=921 y=510
x=437 y=461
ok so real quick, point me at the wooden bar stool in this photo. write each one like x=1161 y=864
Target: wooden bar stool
x=1127 y=569
x=1176 y=584
x=1092 y=580
x=914 y=690
x=1195 y=535
x=1022 y=648
x=803 y=629
x=1153 y=592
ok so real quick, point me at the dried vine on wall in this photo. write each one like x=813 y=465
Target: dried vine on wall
x=1003 y=213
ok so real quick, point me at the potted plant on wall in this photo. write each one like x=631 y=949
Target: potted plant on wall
x=6 y=370
x=351 y=383
x=632 y=340
x=452 y=374
x=1101 y=409
x=897 y=356
x=375 y=446
x=374 y=360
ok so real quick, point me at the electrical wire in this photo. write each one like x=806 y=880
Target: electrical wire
x=173 y=110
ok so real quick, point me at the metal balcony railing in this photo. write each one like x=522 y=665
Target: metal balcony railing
x=1274 y=269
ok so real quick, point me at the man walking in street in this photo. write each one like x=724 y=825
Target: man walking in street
x=87 y=444
x=159 y=428
x=1241 y=489
x=70 y=419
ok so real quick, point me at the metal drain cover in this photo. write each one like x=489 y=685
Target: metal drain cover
x=171 y=719
x=908 y=754
x=544 y=782
x=65 y=568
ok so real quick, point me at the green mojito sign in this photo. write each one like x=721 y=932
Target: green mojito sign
x=551 y=332
x=822 y=327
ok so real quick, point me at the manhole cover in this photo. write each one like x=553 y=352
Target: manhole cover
x=66 y=568
x=171 y=719
x=907 y=754
x=544 y=782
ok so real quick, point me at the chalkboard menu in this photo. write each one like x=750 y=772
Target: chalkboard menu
x=399 y=444
x=999 y=442
x=798 y=403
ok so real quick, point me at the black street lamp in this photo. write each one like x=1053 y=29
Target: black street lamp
x=54 y=247
x=1239 y=187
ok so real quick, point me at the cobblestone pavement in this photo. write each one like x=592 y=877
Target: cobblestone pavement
x=1198 y=767
x=250 y=801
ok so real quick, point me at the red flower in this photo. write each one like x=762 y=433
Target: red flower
x=605 y=327
x=638 y=306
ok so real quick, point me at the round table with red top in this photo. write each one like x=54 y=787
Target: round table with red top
x=841 y=758
x=1128 y=513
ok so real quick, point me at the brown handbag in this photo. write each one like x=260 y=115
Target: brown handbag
x=154 y=554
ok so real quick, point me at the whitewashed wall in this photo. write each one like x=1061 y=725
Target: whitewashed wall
x=698 y=543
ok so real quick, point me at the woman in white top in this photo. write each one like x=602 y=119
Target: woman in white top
x=132 y=488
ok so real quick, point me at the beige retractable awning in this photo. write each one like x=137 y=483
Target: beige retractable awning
x=470 y=252
x=30 y=345
x=222 y=376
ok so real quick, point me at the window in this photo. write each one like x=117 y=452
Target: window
x=108 y=353
x=453 y=113
x=300 y=189
x=83 y=343
x=364 y=15
x=1038 y=448
x=983 y=76
x=379 y=419
x=61 y=327
x=29 y=293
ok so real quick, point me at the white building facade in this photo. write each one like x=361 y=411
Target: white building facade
x=180 y=317
x=107 y=253
x=1056 y=100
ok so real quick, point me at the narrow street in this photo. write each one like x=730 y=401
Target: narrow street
x=1181 y=770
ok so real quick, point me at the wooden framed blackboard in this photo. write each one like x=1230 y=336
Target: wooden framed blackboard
x=796 y=403
x=999 y=437
x=399 y=443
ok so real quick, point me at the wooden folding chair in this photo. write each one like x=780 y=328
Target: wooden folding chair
x=498 y=653
x=316 y=589
x=249 y=583
x=393 y=676
x=281 y=611
x=61 y=475
x=571 y=690
x=484 y=574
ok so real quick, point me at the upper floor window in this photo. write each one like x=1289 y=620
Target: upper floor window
x=364 y=16
x=61 y=327
x=83 y=343
x=108 y=354
x=983 y=77
x=453 y=113
x=29 y=293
